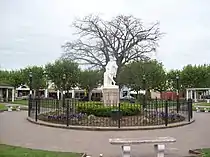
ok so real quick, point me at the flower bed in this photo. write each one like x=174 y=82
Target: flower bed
x=89 y=119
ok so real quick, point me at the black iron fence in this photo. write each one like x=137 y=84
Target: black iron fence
x=124 y=114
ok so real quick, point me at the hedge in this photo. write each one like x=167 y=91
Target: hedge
x=105 y=111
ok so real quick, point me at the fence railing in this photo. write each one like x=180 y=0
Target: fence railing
x=124 y=114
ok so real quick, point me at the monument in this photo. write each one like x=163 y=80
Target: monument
x=110 y=89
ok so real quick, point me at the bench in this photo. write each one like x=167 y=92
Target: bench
x=159 y=144
x=10 y=108
x=204 y=108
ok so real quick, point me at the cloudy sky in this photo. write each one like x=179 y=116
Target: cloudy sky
x=32 y=31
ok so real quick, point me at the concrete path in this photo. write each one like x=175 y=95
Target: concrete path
x=16 y=130
x=15 y=105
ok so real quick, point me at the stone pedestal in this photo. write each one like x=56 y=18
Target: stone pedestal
x=111 y=95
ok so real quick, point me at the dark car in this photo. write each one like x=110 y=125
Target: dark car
x=85 y=98
x=128 y=99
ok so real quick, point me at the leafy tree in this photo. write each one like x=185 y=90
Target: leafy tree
x=171 y=79
x=16 y=78
x=207 y=81
x=4 y=77
x=132 y=75
x=90 y=79
x=38 y=77
x=188 y=75
x=124 y=39
x=155 y=75
x=195 y=76
x=60 y=68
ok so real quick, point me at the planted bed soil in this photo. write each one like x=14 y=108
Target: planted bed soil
x=149 y=119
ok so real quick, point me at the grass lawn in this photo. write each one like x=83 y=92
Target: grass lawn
x=203 y=104
x=200 y=104
x=13 y=151
x=2 y=107
x=206 y=152
x=20 y=102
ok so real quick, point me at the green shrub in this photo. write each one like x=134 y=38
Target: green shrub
x=98 y=109
x=91 y=103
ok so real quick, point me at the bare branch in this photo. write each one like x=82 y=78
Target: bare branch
x=124 y=38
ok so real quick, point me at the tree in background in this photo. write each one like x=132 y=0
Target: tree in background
x=38 y=78
x=16 y=78
x=171 y=79
x=196 y=76
x=60 y=68
x=155 y=75
x=132 y=75
x=207 y=81
x=90 y=79
x=4 y=77
x=124 y=39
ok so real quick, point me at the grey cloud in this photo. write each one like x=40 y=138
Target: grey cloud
x=31 y=32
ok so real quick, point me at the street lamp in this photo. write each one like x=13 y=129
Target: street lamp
x=64 y=84
x=177 y=93
x=144 y=95
x=30 y=94
x=46 y=84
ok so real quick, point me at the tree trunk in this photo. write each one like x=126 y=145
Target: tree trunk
x=67 y=93
x=160 y=94
x=90 y=95
x=148 y=94
x=38 y=93
x=137 y=95
x=34 y=93
x=117 y=79
x=61 y=98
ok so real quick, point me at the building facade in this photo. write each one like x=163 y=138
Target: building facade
x=7 y=93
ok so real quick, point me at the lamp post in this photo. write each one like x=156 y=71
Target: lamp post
x=30 y=94
x=177 y=93
x=46 y=84
x=64 y=84
x=144 y=95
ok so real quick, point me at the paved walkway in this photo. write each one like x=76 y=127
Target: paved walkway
x=16 y=130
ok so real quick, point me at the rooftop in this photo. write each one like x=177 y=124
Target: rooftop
x=5 y=85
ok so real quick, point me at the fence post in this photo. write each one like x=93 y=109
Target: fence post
x=36 y=111
x=166 y=113
x=177 y=104
x=67 y=113
x=190 y=109
x=156 y=104
x=119 y=112
x=57 y=104
x=29 y=106
x=39 y=105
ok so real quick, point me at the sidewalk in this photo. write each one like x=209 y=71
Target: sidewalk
x=16 y=130
x=21 y=106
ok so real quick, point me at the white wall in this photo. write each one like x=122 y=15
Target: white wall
x=155 y=94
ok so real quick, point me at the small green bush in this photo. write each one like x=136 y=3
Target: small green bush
x=98 y=109
x=91 y=103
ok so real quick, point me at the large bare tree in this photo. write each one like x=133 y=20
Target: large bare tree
x=123 y=39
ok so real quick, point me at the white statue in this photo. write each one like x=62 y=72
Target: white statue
x=110 y=73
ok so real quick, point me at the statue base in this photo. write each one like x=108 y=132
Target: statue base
x=111 y=95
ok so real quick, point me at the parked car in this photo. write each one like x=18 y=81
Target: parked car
x=85 y=98
x=205 y=96
x=128 y=99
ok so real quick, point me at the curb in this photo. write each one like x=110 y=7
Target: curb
x=21 y=109
x=3 y=110
x=19 y=146
x=92 y=128
x=195 y=152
